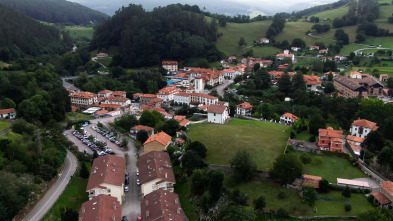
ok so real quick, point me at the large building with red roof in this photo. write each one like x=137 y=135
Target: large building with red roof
x=312 y=82
x=107 y=177
x=101 y=207
x=83 y=99
x=362 y=127
x=244 y=109
x=170 y=65
x=288 y=119
x=330 y=139
x=167 y=93
x=161 y=205
x=134 y=130
x=157 y=142
x=155 y=172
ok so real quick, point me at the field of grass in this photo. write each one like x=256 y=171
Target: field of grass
x=385 y=12
x=232 y=33
x=263 y=140
x=4 y=125
x=336 y=204
x=12 y=136
x=303 y=136
x=76 y=117
x=331 y=168
x=334 y=13
x=74 y=195
x=182 y=189
x=80 y=32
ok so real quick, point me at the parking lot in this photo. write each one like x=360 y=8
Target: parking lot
x=131 y=204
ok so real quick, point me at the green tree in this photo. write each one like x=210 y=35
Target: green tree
x=297 y=42
x=170 y=127
x=243 y=166
x=142 y=136
x=324 y=186
x=152 y=87
x=150 y=118
x=315 y=123
x=298 y=81
x=286 y=168
x=68 y=214
x=191 y=161
x=263 y=79
x=346 y=192
x=239 y=198
x=216 y=181
x=305 y=158
x=242 y=42
x=84 y=173
x=347 y=207
x=199 y=181
x=125 y=143
x=285 y=84
x=233 y=212
x=329 y=88
x=7 y=103
x=374 y=141
x=309 y=195
x=198 y=147
x=259 y=204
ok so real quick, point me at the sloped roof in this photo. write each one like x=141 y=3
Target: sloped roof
x=365 y=123
x=179 y=118
x=245 y=105
x=83 y=94
x=381 y=198
x=161 y=205
x=291 y=116
x=107 y=169
x=155 y=165
x=161 y=137
x=356 y=139
x=102 y=207
x=105 y=92
x=352 y=182
x=7 y=111
x=331 y=132
x=142 y=127
x=388 y=187
x=218 y=109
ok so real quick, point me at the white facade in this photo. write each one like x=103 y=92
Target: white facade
x=108 y=189
x=198 y=85
x=358 y=131
x=286 y=120
x=244 y=112
x=181 y=98
x=203 y=99
x=156 y=184
x=217 y=118
x=231 y=73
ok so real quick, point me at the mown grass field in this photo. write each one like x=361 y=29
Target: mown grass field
x=331 y=168
x=4 y=125
x=334 y=13
x=73 y=196
x=263 y=140
x=76 y=117
x=80 y=32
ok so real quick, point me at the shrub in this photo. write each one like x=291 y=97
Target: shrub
x=346 y=192
x=305 y=158
x=318 y=160
x=282 y=213
x=282 y=195
x=348 y=207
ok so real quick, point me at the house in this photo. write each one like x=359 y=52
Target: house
x=313 y=47
x=102 y=55
x=355 y=143
x=385 y=196
x=296 y=49
x=83 y=99
x=170 y=65
x=183 y=122
x=232 y=59
x=167 y=94
x=311 y=181
x=217 y=114
x=312 y=82
x=349 y=87
x=182 y=98
x=288 y=119
x=356 y=75
x=285 y=55
x=362 y=127
x=161 y=205
x=122 y=101
x=264 y=41
x=331 y=140
x=101 y=207
x=9 y=113
x=101 y=113
x=354 y=184
x=199 y=98
x=107 y=177
x=383 y=77
x=105 y=93
x=157 y=142
x=276 y=75
x=146 y=98
x=323 y=51
x=120 y=94
x=135 y=129
x=155 y=172
x=244 y=109
x=372 y=85
x=203 y=107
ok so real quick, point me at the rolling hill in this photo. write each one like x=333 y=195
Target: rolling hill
x=56 y=11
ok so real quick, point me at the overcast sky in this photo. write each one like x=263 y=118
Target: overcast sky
x=231 y=7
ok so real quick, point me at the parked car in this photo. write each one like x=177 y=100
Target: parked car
x=137 y=182
x=125 y=188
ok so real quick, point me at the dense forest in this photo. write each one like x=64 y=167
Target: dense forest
x=20 y=35
x=56 y=11
x=146 y=38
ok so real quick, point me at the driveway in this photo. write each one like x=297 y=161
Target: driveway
x=46 y=203
x=131 y=206
x=370 y=182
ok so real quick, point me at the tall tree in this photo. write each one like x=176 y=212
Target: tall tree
x=286 y=168
x=243 y=166
x=298 y=81
x=285 y=84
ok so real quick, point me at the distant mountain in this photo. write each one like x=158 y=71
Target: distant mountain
x=229 y=7
x=56 y=11
x=21 y=35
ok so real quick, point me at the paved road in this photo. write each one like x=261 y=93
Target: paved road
x=46 y=203
x=131 y=206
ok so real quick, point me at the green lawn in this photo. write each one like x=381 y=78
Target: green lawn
x=334 y=13
x=80 y=32
x=264 y=140
x=4 y=125
x=76 y=117
x=73 y=196
x=303 y=136
x=336 y=204
x=12 y=136
x=105 y=61
x=258 y=186
x=332 y=168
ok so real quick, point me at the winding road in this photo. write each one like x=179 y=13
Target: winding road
x=46 y=203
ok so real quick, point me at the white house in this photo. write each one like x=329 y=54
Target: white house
x=264 y=41
x=167 y=94
x=244 y=109
x=170 y=65
x=8 y=113
x=122 y=101
x=182 y=98
x=155 y=172
x=296 y=49
x=288 y=118
x=107 y=177
x=231 y=73
x=361 y=128
x=217 y=114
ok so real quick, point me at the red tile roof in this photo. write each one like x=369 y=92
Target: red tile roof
x=7 y=111
x=245 y=105
x=117 y=99
x=365 y=123
x=291 y=116
x=155 y=165
x=101 y=112
x=101 y=207
x=161 y=205
x=83 y=94
x=388 y=187
x=218 y=109
x=204 y=95
x=311 y=80
x=203 y=107
x=381 y=198
x=105 y=92
x=179 y=118
x=183 y=94
x=169 y=62
x=184 y=122
x=142 y=127
x=148 y=95
x=330 y=132
x=114 y=106
x=107 y=169
x=119 y=93
x=356 y=139
x=161 y=137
